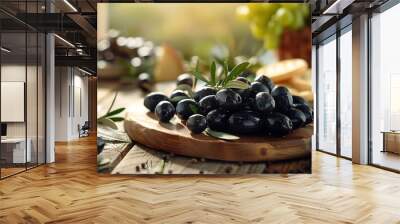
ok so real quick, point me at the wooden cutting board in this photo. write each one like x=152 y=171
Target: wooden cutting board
x=174 y=137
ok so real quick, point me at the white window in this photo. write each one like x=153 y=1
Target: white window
x=385 y=84
x=327 y=96
x=346 y=93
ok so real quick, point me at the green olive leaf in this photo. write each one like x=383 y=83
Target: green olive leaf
x=221 y=135
x=236 y=84
x=237 y=70
x=213 y=73
x=114 y=112
x=117 y=119
x=198 y=75
x=107 y=122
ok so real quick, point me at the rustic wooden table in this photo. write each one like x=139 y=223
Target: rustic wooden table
x=126 y=157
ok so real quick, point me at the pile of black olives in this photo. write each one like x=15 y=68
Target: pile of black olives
x=261 y=109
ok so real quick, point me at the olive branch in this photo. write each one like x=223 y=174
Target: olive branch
x=226 y=78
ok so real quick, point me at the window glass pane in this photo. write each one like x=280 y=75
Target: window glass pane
x=385 y=84
x=346 y=94
x=15 y=150
x=327 y=96
x=22 y=87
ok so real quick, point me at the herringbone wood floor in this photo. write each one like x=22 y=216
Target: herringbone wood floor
x=70 y=191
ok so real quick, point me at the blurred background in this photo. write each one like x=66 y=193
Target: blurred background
x=163 y=40
x=192 y=28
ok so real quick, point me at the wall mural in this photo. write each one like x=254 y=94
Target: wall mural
x=194 y=89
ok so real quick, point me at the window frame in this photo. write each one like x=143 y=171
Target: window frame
x=344 y=26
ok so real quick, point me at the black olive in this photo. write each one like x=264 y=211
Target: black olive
x=243 y=79
x=258 y=87
x=280 y=90
x=203 y=92
x=244 y=93
x=187 y=107
x=208 y=104
x=144 y=82
x=250 y=104
x=283 y=99
x=228 y=99
x=196 y=123
x=185 y=79
x=299 y=100
x=264 y=102
x=278 y=124
x=178 y=95
x=308 y=112
x=297 y=116
x=245 y=122
x=164 y=111
x=266 y=81
x=152 y=99
x=217 y=119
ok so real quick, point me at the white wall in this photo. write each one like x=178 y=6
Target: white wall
x=61 y=103
x=70 y=84
x=14 y=73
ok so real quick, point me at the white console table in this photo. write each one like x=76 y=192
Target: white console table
x=17 y=146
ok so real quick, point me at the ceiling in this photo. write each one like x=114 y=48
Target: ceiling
x=76 y=22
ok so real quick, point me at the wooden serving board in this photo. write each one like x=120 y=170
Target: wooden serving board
x=174 y=137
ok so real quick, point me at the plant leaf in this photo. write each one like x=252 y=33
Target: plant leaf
x=221 y=135
x=198 y=75
x=107 y=122
x=237 y=70
x=226 y=69
x=212 y=73
x=236 y=84
x=117 y=119
x=220 y=72
x=114 y=112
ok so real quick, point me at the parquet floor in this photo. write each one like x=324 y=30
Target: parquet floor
x=70 y=191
